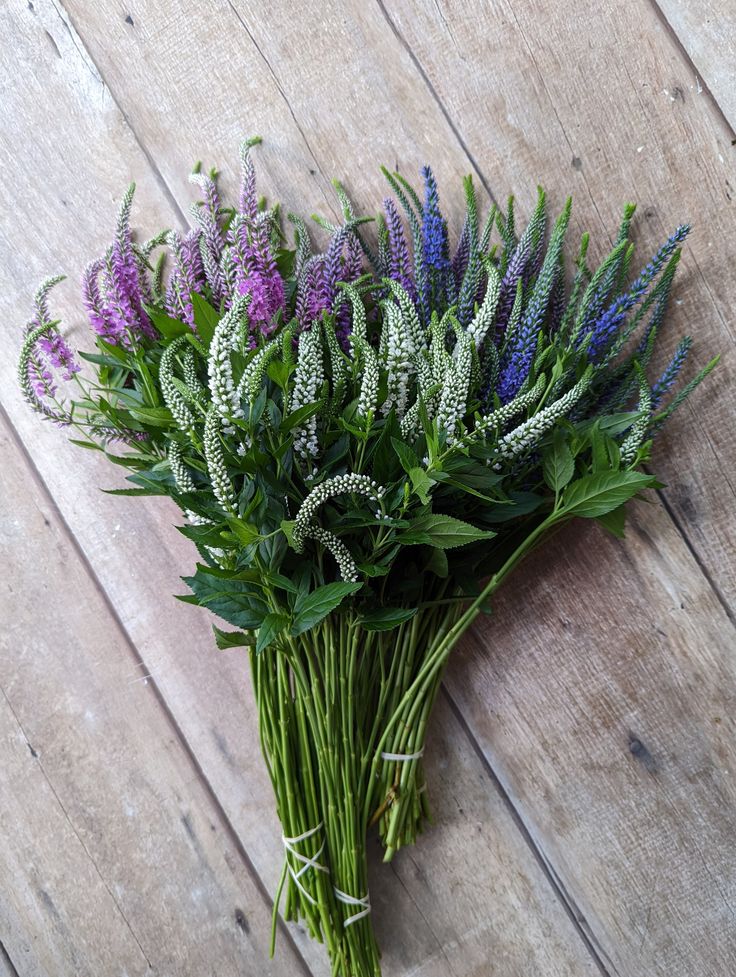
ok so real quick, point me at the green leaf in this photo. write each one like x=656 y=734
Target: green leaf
x=311 y=608
x=406 y=455
x=421 y=484
x=594 y=495
x=287 y=528
x=245 y=533
x=442 y=531
x=154 y=490
x=615 y=521
x=231 y=599
x=168 y=327
x=90 y=445
x=297 y=417
x=232 y=639
x=206 y=318
x=273 y=625
x=153 y=416
x=558 y=465
x=386 y=618
x=437 y=563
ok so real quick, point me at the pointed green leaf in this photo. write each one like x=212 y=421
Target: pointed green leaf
x=594 y=495
x=311 y=608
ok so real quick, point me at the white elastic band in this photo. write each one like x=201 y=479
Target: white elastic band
x=307 y=862
x=352 y=901
x=403 y=756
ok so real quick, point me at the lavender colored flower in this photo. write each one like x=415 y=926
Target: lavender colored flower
x=41 y=378
x=517 y=360
x=187 y=277
x=462 y=254
x=59 y=354
x=212 y=242
x=115 y=304
x=313 y=293
x=257 y=275
x=399 y=259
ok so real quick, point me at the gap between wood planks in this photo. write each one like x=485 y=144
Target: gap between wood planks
x=579 y=922
x=141 y=663
x=684 y=54
x=7 y=963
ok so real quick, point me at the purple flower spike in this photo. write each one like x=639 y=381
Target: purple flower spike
x=115 y=306
x=59 y=354
x=41 y=378
x=666 y=381
x=187 y=276
x=434 y=228
x=314 y=296
x=400 y=260
x=607 y=325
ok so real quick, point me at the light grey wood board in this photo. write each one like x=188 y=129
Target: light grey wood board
x=137 y=558
x=532 y=143
x=707 y=32
x=113 y=856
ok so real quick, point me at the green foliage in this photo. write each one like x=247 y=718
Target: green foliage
x=240 y=433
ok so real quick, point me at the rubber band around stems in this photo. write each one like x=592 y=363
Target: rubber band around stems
x=402 y=757
x=349 y=900
x=307 y=862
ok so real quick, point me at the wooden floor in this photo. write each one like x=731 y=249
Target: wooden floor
x=583 y=756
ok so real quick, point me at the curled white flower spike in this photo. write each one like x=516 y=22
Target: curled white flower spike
x=224 y=341
x=182 y=477
x=639 y=428
x=251 y=382
x=215 y=459
x=308 y=380
x=498 y=418
x=483 y=320
x=350 y=484
x=397 y=359
x=413 y=327
x=454 y=395
x=345 y=563
x=368 y=397
x=528 y=434
x=180 y=411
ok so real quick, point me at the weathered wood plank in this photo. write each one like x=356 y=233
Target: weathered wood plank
x=7 y=968
x=113 y=856
x=611 y=722
x=546 y=119
x=138 y=558
x=707 y=32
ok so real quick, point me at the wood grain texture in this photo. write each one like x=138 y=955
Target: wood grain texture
x=707 y=32
x=137 y=557
x=640 y=845
x=113 y=857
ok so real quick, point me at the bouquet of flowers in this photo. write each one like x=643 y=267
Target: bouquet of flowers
x=364 y=442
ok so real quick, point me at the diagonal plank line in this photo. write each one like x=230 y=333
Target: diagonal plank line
x=76 y=37
x=7 y=960
x=140 y=662
x=684 y=54
x=76 y=834
x=435 y=95
x=576 y=917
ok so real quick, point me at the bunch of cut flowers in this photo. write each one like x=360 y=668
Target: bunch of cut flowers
x=364 y=442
